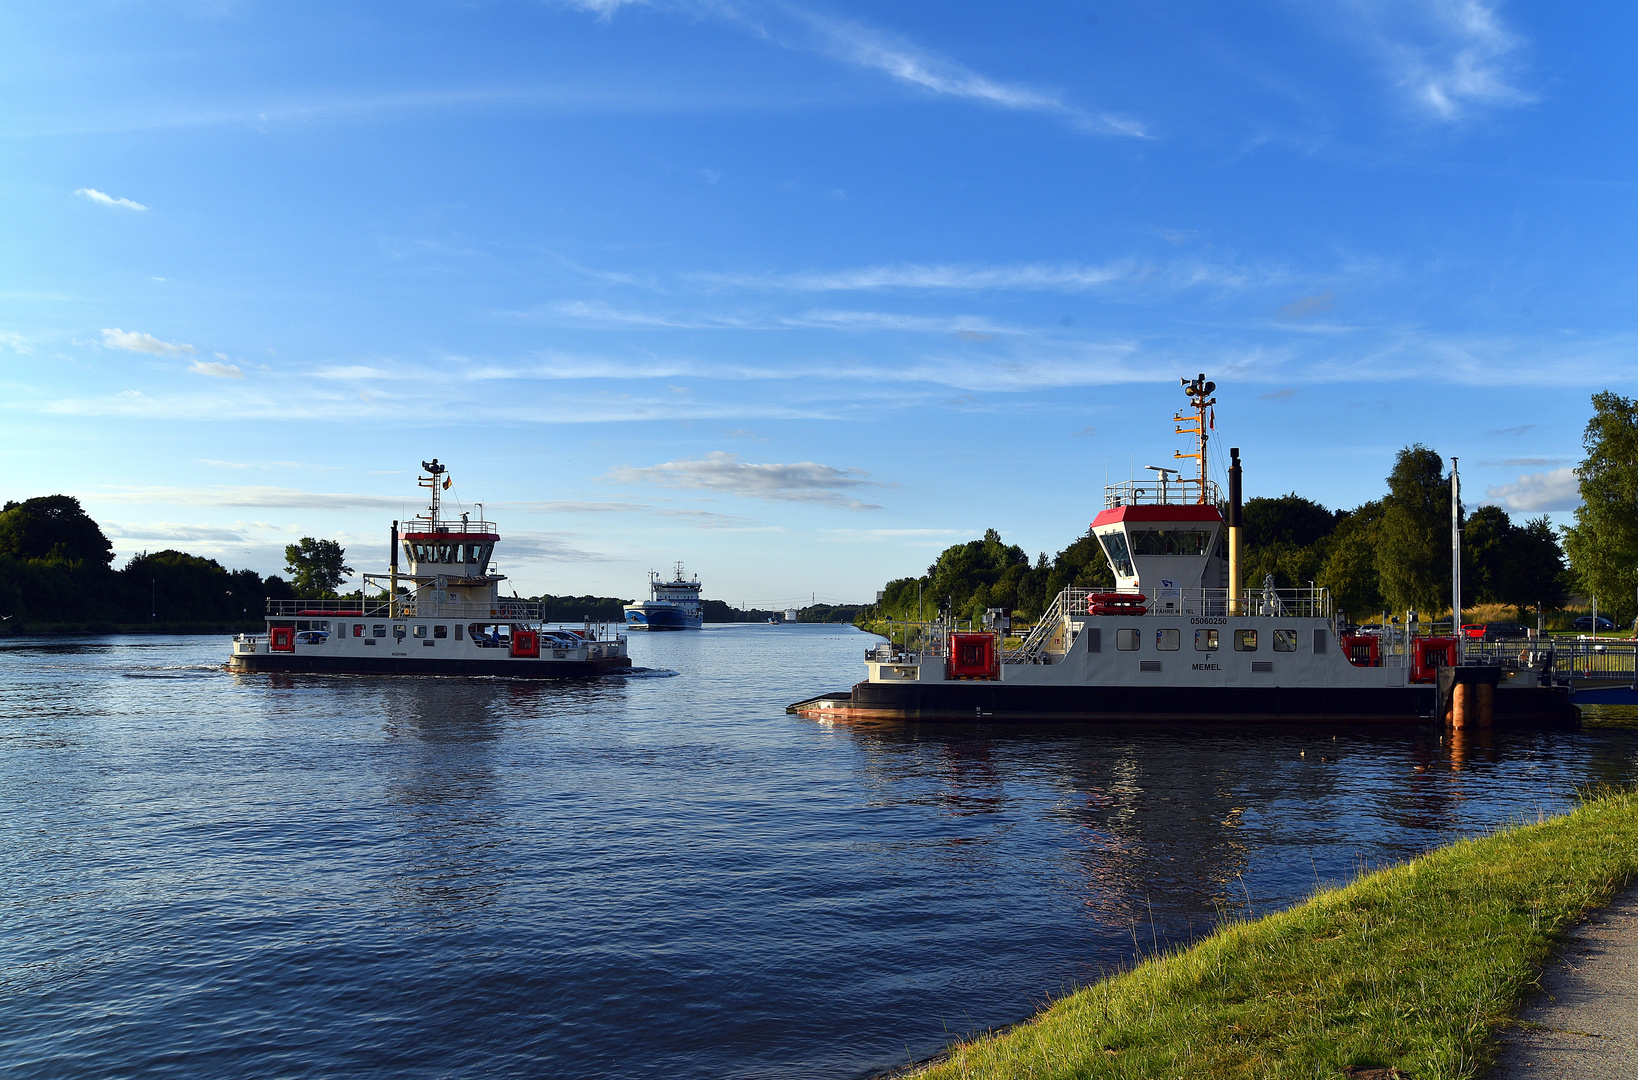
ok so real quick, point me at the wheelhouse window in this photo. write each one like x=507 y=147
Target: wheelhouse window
x=1205 y=640
x=1170 y=542
x=1114 y=546
x=1285 y=641
x=1167 y=640
x=1245 y=641
x=1128 y=640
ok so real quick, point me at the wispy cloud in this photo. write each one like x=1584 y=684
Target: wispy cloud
x=942 y=277
x=135 y=341
x=719 y=471
x=1559 y=489
x=108 y=200
x=275 y=497
x=863 y=46
x=216 y=369
x=857 y=45
x=1450 y=56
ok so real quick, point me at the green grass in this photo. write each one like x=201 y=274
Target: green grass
x=1417 y=966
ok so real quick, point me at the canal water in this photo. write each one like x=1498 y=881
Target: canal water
x=657 y=875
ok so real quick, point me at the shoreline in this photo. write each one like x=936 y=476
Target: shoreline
x=1368 y=975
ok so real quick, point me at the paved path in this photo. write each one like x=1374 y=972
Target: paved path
x=1584 y=1026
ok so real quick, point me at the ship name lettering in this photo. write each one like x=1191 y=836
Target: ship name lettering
x=1207 y=667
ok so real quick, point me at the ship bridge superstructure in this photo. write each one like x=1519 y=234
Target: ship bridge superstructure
x=1164 y=537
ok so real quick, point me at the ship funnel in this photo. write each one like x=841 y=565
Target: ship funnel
x=1234 y=530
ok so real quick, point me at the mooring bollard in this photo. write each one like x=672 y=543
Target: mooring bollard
x=1459 y=706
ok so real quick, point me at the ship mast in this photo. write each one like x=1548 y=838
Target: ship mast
x=1199 y=390
x=437 y=481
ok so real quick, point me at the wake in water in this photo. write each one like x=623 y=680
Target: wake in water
x=642 y=673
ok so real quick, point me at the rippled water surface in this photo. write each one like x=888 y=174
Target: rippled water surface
x=655 y=875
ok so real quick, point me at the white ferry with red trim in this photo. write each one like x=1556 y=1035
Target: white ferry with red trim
x=1178 y=638
x=443 y=615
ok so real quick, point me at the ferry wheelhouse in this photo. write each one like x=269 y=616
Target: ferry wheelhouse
x=441 y=615
x=1178 y=638
x=671 y=605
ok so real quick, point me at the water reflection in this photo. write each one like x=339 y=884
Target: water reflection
x=1172 y=829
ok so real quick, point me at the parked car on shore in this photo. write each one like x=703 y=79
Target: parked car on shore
x=1500 y=631
x=1586 y=623
x=1473 y=631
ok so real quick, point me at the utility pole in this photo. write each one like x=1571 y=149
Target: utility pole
x=1456 y=558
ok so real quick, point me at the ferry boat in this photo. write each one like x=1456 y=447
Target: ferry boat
x=671 y=605
x=1177 y=638
x=443 y=615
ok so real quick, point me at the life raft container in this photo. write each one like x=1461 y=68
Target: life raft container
x=1117 y=603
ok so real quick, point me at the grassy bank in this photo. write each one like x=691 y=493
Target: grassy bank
x=1415 y=967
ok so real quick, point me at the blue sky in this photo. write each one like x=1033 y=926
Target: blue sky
x=797 y=294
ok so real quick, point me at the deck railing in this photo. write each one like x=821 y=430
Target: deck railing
x=409 y=607
x=1185 y=491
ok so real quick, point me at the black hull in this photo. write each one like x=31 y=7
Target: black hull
x=505 y=666
x=992 y=702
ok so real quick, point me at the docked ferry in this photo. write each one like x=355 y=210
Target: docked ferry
x=441 y=615
x=1178 y=638
x=671 y=605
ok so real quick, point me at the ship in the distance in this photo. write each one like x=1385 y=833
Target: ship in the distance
x=671 y=605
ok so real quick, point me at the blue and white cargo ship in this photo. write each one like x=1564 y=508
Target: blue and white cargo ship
x=672 y=605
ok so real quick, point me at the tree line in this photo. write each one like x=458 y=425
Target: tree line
x=55 y=571
x=1388 y=554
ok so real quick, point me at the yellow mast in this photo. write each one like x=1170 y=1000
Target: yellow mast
x=1200 y=399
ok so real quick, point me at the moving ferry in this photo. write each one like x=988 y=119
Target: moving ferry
x=444 y=615
x=1177 y=638
x=671 y=605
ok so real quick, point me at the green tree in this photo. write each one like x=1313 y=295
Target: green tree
x=1413 y=538
x=1537 y=573
x=1603 y=542
x=1487 y=549
x=1349 y=567
x=317 y=567
x=53 y=527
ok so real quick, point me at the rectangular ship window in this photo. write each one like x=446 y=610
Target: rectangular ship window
x=457 y=631
x=440 y=631
x=1167 y=640
x=1094 y=639
x=1245 y=641
x=1128 y=640
x=358 y=629
x=420 y=630
x=1285 y=641
x=380 y=631
x=1205 y=640
x=1319 y=641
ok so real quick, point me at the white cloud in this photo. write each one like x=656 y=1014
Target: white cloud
x=275 y=497
x=792 y=27
x=135 y=341
x=1559 y=489
x=220 y=371
x=803 y=481
x=1450 y=56
x=16 y=342
x=108 y=200
x=861 y=46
